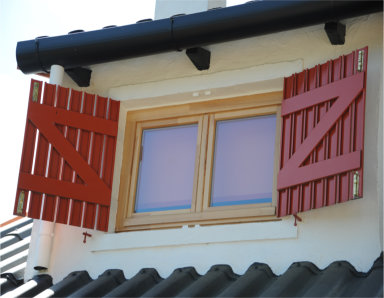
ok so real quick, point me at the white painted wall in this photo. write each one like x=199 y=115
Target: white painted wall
x=350 y=231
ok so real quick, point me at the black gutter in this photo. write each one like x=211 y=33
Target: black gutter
x=183 y=32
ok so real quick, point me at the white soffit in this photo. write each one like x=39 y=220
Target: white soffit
x=253 y=80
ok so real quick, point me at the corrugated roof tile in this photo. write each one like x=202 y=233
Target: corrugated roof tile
x=136 y=286
x=251 y=283
x=14 y=244
x=302 y=279
x=174 y=284
x=101 y=286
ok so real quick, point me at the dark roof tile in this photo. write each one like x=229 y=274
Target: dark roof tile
x=36 y=285
x=302 y=279
x=293 y=282
x=254 y=281
x=215 y=281
x=74 y=281
x=14 y=246
x=105 y=283
x=372 y=284
x=9 y=282
x=136 y=286
x=180 y=279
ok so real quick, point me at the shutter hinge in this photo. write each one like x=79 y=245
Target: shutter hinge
x=20 y=202
x=356 y=183
x=35 y=94
x=360 y=61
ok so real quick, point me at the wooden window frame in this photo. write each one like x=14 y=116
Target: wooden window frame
x=205 y=114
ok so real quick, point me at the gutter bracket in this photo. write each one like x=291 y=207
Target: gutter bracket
x=81 y=76
x=335 y=32
x=200 y=57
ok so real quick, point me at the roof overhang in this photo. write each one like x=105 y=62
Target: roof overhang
x=82 y=49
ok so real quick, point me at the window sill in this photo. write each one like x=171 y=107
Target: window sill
x=257 y=231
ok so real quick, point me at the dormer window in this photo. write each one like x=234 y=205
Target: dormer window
x=200 y=163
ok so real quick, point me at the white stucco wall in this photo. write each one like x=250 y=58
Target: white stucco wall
x=350 y=231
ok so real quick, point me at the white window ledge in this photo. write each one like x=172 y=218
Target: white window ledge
x=196 y=235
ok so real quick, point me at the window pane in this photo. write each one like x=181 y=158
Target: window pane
x=243 y=161
x=167 y=168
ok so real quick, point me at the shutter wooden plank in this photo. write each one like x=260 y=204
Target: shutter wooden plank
x=321 y=127
x=41 y=156
x=114 y=108
x=321 y=153
x=55 y=159
x=346 y=136
x=109 y=161
x=308 y=188
x=26 y=162
x=360 y=112
x=67 y=171
x=84 y=148
x=96 y=159
x=297 y=136
x=332 y=153
x=285 y=144
x=330 y=194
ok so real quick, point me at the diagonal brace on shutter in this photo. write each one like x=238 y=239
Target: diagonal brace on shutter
x=94 y=190
x=346 y=91
x=43 y=115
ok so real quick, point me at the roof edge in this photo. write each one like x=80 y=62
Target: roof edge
x=82 y=49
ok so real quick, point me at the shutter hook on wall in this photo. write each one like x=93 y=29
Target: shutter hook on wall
x=296 y=218
x=86 y=234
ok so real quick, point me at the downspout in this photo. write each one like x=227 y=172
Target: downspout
x=46 y=229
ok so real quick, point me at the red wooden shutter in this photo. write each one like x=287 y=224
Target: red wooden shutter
x=322 y=141
x=68 y=157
